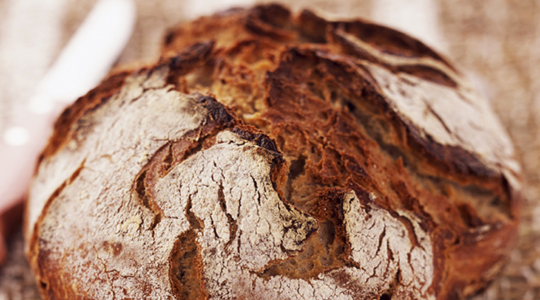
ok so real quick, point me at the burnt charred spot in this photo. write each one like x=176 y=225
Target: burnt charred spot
x=191 y=55
x=187 y=60
x=218 y=112
x=270 y=21
x=254 y=135
x=312 y=27
x=274 y=14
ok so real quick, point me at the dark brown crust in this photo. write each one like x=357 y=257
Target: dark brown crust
x=300 y=92
x=184 y=62
x=268 y=21
x=292 y=112
x=385 y=39
x=388 y=40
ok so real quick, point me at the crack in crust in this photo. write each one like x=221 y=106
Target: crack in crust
x=382 y=248
x=186 y=263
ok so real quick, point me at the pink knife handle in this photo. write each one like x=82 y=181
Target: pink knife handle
x=18 y=162
x=81 y=65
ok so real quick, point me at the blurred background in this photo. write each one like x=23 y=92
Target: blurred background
x=495 y=42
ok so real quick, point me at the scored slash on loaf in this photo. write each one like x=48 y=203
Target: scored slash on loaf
x=271 y=156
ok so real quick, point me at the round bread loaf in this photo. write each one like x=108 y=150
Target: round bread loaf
x=270 y=156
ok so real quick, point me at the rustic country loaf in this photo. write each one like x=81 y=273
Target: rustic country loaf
x=270 y=156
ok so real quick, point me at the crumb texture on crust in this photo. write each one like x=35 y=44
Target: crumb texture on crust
x=273 y=156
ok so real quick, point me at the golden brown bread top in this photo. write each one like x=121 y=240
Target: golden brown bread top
x=266 y=154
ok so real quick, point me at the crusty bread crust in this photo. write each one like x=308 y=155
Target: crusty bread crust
x=268 y=156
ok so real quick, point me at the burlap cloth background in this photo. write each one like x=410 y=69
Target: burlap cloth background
x=497 y=41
